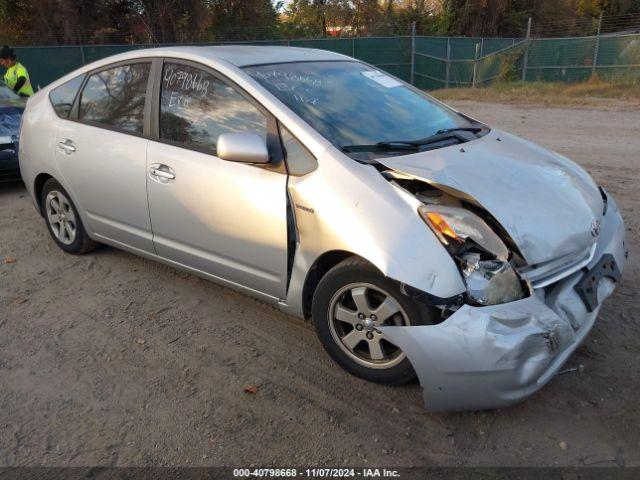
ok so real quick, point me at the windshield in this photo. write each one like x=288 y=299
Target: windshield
x=350 y=103
x=6 y=93
x=10 y=121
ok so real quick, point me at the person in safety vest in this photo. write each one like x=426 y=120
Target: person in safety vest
x=16 y=77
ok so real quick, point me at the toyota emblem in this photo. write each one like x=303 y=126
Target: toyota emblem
x=595 y=228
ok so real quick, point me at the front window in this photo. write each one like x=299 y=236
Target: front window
x=352 y=104
x=196 y=108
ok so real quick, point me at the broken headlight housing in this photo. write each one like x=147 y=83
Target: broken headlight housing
x=482 y=256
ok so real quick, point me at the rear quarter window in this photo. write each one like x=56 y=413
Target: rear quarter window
x=62 y=97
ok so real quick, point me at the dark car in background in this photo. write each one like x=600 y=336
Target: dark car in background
x=11 y=108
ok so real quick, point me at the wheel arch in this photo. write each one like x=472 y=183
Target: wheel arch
x=319 y=269
x=38 y=185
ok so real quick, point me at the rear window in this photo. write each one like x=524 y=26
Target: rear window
x=63 y=96
x=6 y=93
x=10 y=122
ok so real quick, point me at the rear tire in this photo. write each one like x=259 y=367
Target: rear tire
x=349 y=302
x=63 y=221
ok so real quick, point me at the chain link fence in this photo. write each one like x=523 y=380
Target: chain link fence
x=427 y=62
x=467 y=62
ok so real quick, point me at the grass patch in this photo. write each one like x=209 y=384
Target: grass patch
x=594 y=92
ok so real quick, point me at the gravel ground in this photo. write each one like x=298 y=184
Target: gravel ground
x=110 y=359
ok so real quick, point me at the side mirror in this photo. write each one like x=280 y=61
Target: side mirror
x=242 y=147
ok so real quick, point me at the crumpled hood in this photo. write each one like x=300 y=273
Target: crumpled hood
x=543 y=200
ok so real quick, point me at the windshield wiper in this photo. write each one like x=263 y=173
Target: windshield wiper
x=381 y=146
x=415 y=145
x=460 y=129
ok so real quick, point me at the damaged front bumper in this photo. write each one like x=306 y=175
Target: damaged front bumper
x=489 y=357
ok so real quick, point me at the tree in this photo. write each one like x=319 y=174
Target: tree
x=550 y=17
x=312 y=18
x=62 y=21
x=367 y=16
x=70 y=22
x=171 y=21
x=242 y=20
x=484 y=17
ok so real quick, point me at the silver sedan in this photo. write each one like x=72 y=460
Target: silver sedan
x=421 y=242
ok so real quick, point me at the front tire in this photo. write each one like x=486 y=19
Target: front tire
x=63 y=221
x=350 y=302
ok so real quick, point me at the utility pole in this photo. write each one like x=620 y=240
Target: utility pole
x=526 y=52
x=475 y=66
x=448 y=64
x=82 y=57
x=413 y=51
x=595 y=53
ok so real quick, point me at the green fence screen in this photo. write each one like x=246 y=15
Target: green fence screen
x=427 y=62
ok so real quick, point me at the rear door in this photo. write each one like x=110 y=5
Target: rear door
x=223 y=218
x=101 y=152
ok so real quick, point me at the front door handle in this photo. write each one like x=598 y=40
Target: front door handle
x=67 y=146
x=161 y=173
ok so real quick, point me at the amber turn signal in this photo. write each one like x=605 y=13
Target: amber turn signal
x=441 y=225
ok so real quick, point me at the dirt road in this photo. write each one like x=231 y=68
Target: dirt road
x=110 y=359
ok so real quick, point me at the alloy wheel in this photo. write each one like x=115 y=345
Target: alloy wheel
x=61 y=218
x=355 y=313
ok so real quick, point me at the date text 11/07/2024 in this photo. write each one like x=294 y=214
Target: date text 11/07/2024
x=316 y=473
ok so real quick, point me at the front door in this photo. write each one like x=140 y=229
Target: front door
x=223 y=218
x=101 y=153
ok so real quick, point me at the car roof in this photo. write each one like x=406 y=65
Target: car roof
x=244 y=55
x=236 y=56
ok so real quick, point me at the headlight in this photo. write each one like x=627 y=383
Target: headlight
x=490 y=282
x=456 y=226
x=482 y=256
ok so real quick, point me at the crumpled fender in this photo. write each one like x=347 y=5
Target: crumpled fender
x=348 y=206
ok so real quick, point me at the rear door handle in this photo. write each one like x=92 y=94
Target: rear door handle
x=161 y=173
x=67 y=146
